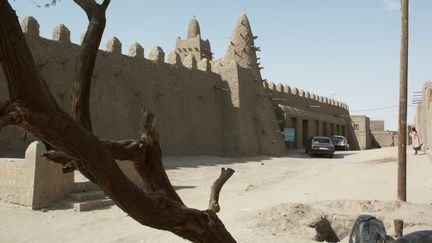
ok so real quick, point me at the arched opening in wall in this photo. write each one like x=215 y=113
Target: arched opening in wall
x=305 y=136
x=338 y=131
x=298 y=143
x=290 y=122
x=317 y=133
x=280 y=116
x=324 y=129
x=332 y=131
x=343 y=131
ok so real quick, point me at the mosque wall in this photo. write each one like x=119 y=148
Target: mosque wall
x=203 y=106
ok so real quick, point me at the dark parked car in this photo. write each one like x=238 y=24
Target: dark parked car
x=340 y=142
x=319 y=145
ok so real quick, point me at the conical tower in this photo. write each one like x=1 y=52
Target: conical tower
x=193 y=28
x=241 y=47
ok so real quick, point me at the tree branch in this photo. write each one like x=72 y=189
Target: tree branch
x=61 y=158
x=10 y=114
x=150 y=170
x=105 y=4
x=216 y=188
x=86 y=61
x=87 y=6
x=44 y=118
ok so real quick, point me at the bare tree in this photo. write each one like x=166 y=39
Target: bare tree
x=32 y=107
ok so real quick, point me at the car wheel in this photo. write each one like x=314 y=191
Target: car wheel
x=330 y=155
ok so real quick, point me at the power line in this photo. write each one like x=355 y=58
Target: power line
x=379 y=108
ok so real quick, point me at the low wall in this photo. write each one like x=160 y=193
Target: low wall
x=33 y=181
x=16 y=183
x=384 y=139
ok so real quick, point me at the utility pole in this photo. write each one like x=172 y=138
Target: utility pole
x=402 y=133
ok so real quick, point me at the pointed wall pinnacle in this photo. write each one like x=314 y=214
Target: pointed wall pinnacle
x=61 y=33
x=242 y=48
x=193 y=29
x=30 y=26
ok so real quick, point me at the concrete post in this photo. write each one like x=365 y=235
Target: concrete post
x=50 y=184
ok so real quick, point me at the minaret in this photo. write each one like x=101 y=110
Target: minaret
x=193 y=28
x=193 y=45
x=242 y=49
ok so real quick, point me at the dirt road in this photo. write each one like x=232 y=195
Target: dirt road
x=267 y=199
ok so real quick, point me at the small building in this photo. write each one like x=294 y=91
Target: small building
x=382 y=138
x=361 y=125
x=371 y=133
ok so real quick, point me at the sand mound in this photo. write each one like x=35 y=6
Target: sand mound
x=288 y=222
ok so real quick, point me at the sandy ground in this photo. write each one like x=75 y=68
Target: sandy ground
x=267 y=199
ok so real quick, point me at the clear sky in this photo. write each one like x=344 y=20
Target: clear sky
x=345 y=49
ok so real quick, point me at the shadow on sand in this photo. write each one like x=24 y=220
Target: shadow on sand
x=171 y=163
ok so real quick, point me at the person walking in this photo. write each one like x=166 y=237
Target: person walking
x=415 y=140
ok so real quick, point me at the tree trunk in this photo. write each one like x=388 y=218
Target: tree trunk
x=87 y=58
x=32 y=107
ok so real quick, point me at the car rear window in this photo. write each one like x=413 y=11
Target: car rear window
x=337 y=139
x=321 y=140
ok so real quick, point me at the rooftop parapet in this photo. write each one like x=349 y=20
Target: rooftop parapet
x=204 y=65
x=30 y=26
x=114 y=46
x=266 y=85
x=287 y=89
x=272 y=86
x=294 y=90
x=174 y=58
x=306 y=94
x=136 y=50
x=300 y=93
x=157 y=55
x=61 y=33
x=280 y=87
x=190 y=62
x=216 y=65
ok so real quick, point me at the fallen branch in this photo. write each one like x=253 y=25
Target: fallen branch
x=216 y=188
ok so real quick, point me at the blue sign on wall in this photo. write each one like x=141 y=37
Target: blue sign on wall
x=289 y=134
